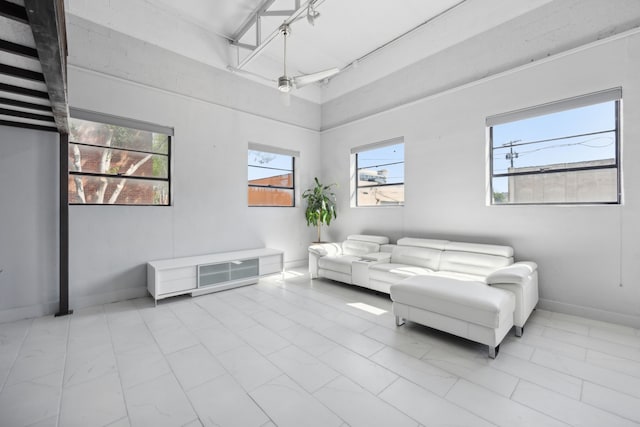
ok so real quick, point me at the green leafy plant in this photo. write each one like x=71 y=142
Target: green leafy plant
x=321 y=205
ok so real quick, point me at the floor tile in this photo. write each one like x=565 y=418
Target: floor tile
x=173 y=339
x=358 y=407
x=617 y=336
x=90 y=363
x=592 y=343
x=562 y=348
x=476 y=369
x=29 y=402
x=583 y=370
x=306 y=370
x=272 y=320
x=564 y=324
x=128 y=337
x=159 y=402
x=352 y=340
x=570 y=411
x=287 y=404
x=223 y=402
x=497 y=409
x=364 y=372
x=248 y=367
x=614 y=363
x=540 y=375
x=427 y=408
x=194 y=366
x=35 y=363
x=194 y=317
x=413 y=345
x=96 y=402
x=612 y=401
x=514 y=346
x=415 y=370
x=140 y=365
x=308 y=340
x=262 y=339
x=218 y=339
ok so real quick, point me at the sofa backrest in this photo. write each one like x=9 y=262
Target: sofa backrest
x=413 y=255
x=475 y=258
x=360 y=244
x=419 y=252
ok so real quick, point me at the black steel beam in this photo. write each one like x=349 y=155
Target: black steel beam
x=23 y=104
x=21 y=73
x=47 y=21
x=18 y=49
x=64 y=226
x=26 y=115
x=23 y=91
x=13 y=11
x=28 y=126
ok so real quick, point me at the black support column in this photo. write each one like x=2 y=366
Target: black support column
x=64 y=226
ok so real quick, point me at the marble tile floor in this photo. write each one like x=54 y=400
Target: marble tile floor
x=296 y=352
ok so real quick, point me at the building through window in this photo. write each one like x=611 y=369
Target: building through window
x=117 y=161
x=379 y=173
x=567 y=152
x=271 y=176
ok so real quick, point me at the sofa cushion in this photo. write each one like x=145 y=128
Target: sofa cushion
x=381 y=240
x=460 y=276
x=393 y=272
x=421 y=257
x=472 y=302
x=479 y=248
x=357 y=247
x=423 y=243
x=339 y=263
x=472 y=263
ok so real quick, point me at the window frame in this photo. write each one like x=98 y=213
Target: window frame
x=355 y=182
x=611 y=95
x=281 y=152
x=107 y=119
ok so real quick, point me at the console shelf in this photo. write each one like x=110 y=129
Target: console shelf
x=211 y=273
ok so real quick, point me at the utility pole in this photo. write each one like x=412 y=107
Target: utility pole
x=511 y=154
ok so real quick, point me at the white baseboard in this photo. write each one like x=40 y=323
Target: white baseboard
x=107 y=297
x=28 y=312
x=296 y=263
x=591 y=313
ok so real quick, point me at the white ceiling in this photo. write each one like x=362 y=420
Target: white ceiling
x=345 y=32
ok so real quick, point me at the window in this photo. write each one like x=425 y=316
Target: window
x=271 y=178
x=116 y=161
x=379 y=173
x=565 y=152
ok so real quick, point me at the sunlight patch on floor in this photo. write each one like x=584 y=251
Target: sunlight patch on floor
x=366 y=307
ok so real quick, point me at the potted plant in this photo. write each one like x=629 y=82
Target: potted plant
x=321 y=205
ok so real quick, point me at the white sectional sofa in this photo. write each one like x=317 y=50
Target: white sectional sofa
x=414 y=265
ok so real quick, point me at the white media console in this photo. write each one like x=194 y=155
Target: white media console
x=202 y=274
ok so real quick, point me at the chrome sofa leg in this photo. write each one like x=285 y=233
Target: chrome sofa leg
x=399 y=321
x=519 y=330
x=493 y=351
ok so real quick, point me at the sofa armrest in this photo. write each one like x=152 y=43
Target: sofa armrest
x=518 y=272
x=377 y=256
x=324 y=249
x=521 y=279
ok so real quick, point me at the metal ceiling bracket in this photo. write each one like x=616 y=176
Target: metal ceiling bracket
x=291 y=16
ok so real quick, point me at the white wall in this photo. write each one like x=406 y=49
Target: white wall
x=109 y=245
x=215 y=115
x=584 y=252
x=28 y=223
